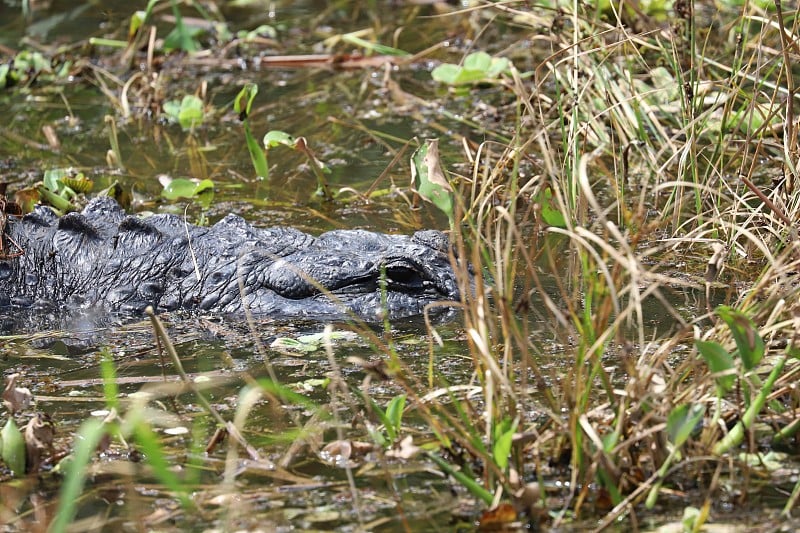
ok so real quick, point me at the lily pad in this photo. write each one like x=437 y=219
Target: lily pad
x=478 y=67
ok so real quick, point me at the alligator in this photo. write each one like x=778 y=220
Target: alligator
x=106 y=260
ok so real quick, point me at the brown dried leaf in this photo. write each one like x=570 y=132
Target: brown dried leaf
x=343 y=61
x=361 y=448
x=216 y=439
x=337 y=452
x=342 y=452
x=716 y=261
x=39 y=434
x=501 y=518
x=159 y=516
x=434 y=166
x=405 y=450
x=16 y=398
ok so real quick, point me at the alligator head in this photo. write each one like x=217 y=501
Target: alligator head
x=103 y=258
x=346 y=271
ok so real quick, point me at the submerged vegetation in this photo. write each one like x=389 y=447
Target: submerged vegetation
x=620 y=181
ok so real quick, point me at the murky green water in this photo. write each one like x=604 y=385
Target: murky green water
x=344 y=115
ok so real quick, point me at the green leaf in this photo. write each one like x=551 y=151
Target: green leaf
x=276 y=138
x=4 y=69
x=12 y=448
x=551 y=214
x=498 y=66
x=478 y=67
x=467 y=482
x=287 y=343
x=748 y=342
x=179 y=188
x=181 y=37
x=52 y=179
x=394 y=416
x=793 y=351
x=718 y=361
x=771 y=460
x=261 y=31
x=183 y=188
x=504 y=435
x=464 y=76
x=137 y=19
x=244 y=100
x=309 y=343
x=285 y=394
x=37 y=62
x=736 y=435
x=191 y=112
x=446 y=73
x=377 y=437
x=162 y=468
x=319 y=338
x=257 y=155
x=682 y=421
x=311 y=384
x=204 y=186
x=148 y=10
x=478 y=61
x=57 y=201
x=689 y=518
x=429 y=179
x=172 y=108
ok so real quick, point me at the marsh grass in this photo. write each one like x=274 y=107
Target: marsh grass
x=651 y=140
x=637 y=408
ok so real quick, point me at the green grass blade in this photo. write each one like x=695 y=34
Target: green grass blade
x=155 y=457
x=736 y=435
x=374 y=47
x=109 y=373
x=257 y=154
x=87 y=439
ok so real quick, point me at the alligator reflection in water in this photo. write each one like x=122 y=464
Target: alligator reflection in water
x=102 y=259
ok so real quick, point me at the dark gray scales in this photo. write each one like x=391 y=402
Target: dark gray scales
x=105 y=259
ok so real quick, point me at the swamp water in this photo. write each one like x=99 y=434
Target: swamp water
x=357 y=124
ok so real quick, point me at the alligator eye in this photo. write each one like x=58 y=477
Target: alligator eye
x=404 y=276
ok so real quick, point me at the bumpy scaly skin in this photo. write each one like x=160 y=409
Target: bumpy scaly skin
x=103 y=258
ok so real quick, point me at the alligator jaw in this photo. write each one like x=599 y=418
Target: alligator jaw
x=398 y=288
